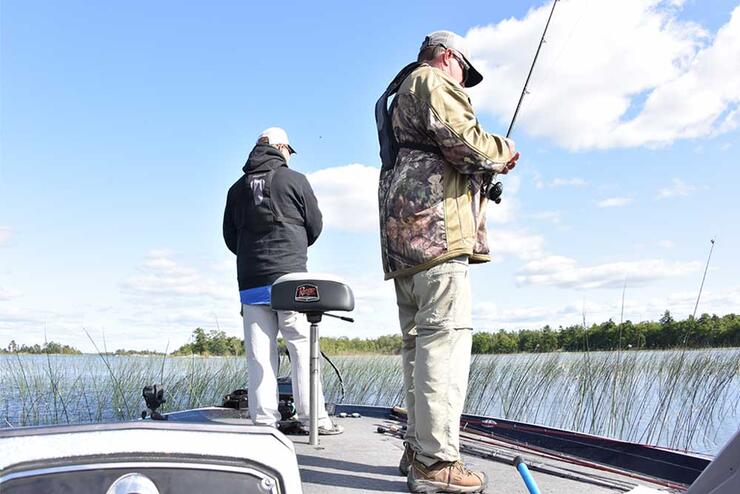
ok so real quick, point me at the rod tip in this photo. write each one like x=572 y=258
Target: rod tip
x=518 y=461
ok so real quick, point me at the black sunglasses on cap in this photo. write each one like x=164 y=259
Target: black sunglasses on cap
x=463 y=65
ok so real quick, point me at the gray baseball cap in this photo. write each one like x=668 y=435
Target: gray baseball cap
x=454 y=41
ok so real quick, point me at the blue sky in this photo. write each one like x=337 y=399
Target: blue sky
x=122 y=127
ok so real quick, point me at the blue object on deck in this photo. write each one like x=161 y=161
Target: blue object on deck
x=524 y=472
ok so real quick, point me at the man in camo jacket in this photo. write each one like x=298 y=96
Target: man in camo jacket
x=433 y=224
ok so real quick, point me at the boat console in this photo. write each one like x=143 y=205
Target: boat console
x=147 y=457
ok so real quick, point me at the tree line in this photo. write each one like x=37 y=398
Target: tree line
x=215 y=342
x=666 y=333
x=49 y=347
x=703 y=332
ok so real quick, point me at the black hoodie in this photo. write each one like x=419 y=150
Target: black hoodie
x=271 y=218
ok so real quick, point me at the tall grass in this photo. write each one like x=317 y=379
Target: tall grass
x=681 y=399
x=99 y=388
x=677 y=399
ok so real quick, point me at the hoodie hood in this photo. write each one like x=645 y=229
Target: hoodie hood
x=264 y=158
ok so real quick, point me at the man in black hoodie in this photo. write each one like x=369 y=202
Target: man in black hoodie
x=271 y=218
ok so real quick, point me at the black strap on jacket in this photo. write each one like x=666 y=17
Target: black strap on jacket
x=388 y=144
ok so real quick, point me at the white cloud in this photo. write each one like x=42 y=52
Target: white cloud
x=537 y=179
x=348 y=197
x=10 y=315
x=552 y=216
x=489 y=316
x=566 y=273
x=32 y=325
x=376 y=312
x=666 y=244
x=612 y=74
x=8 y=294
x=163 y=277
x=574 y=182
x=4 y=235
x=518 y=243
x=507 y=210
x=677 y=188
x=540 y=183
x=163 y=302
x=614 y=202
x=550 y=264
x=227 y=265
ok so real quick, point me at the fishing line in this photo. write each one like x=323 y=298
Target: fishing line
x=706 y=268
x=531 y=69
x=553 y=63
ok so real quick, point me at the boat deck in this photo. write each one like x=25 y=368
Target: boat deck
x=363 y=460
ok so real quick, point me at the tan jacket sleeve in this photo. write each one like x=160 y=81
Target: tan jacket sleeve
x=455 y=128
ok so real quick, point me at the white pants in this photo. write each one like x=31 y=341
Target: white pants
x=261 y=326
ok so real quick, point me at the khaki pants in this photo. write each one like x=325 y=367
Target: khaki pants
x=434 y=309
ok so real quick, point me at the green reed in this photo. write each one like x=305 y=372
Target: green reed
x=677 y=398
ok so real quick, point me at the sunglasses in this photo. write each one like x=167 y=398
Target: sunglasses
x=463 y=65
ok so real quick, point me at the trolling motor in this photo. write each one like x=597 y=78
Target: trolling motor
x=313 y=295
x=154 y=398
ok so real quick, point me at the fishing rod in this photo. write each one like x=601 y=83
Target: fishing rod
x=698 y=297
x=703 y=278
x=494 y=191
x=660 y=466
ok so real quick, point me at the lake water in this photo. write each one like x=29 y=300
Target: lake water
x=683 y=399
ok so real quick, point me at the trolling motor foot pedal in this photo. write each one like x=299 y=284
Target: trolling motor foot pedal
x=314 y=295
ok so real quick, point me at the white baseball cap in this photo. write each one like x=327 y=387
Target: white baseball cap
x=454 y=41
x=276 y=135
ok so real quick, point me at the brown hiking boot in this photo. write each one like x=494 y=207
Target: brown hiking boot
x=445 y=476
x=408 y=456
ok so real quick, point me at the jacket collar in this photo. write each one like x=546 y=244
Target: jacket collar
x=264 y=158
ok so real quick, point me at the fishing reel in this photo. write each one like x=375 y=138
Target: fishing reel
x=493 y=190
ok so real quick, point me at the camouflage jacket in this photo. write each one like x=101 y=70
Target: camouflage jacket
x=431 y=206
